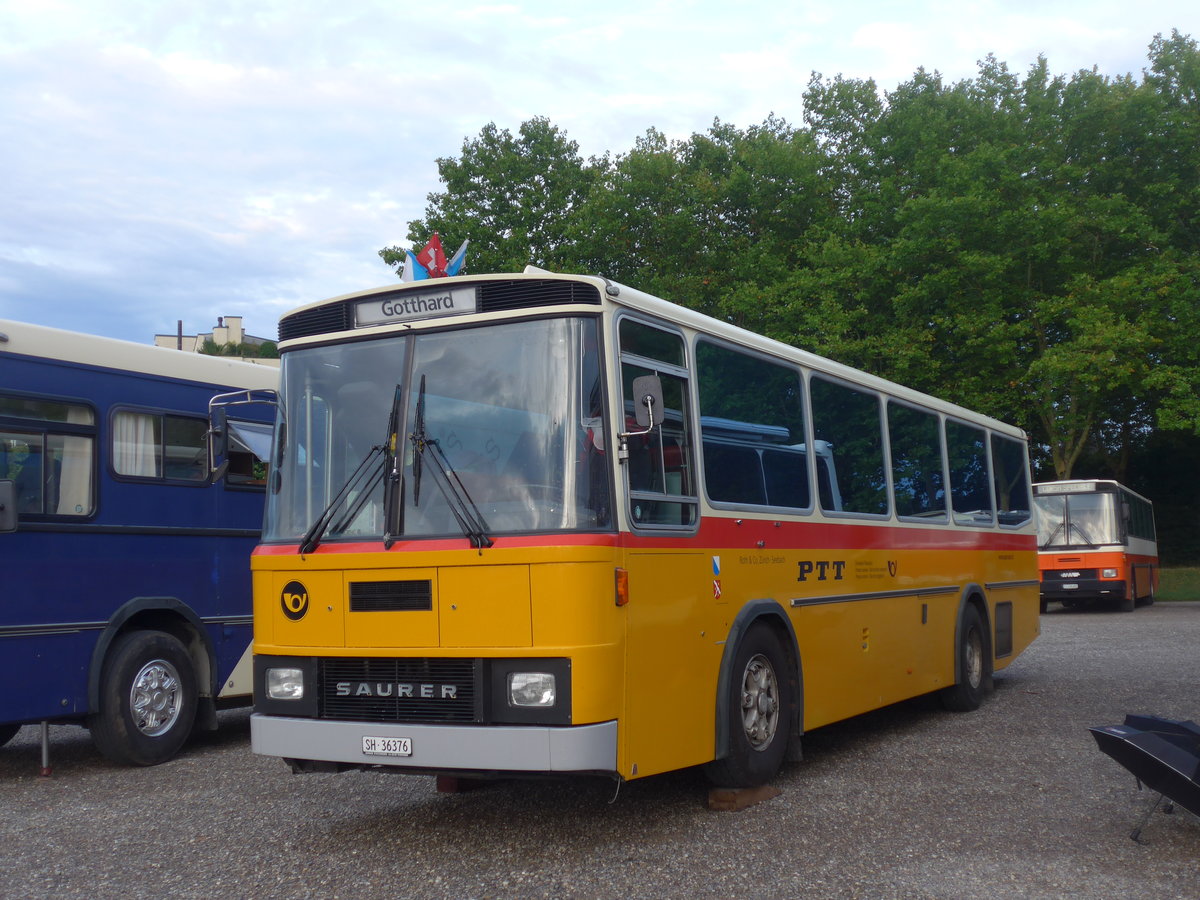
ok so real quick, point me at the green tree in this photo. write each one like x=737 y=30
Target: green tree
x=511 y=195
x=707 y=222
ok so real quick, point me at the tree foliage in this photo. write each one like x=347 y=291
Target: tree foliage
x=1026 y=245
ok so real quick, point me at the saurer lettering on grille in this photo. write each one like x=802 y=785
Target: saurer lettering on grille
x=397 y=689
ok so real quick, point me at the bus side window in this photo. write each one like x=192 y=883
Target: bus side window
x=660 y=462
x=733 y=474
x=966 y=448
x=917 y=472
x=848 y=420
x=752 y=419
x=1011 y=481
x=160 y=446
x=50 y=464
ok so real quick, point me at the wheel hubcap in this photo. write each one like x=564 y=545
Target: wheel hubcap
x=155 y=698
x=974 y=659
x=760 y=702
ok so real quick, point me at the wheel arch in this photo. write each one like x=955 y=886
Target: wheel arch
x=171 y=616
x=771 y=613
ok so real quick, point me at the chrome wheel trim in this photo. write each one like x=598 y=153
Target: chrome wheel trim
x=973 y=659
x=760 y=702
x=156 y=698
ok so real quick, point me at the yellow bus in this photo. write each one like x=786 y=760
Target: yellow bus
x=544 y=524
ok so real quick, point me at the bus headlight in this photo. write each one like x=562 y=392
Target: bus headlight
x=285 y=684
x=1108 y=573
x=531 y=689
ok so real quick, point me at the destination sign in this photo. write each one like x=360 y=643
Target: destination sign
x=1069 y=487
x=407 y=307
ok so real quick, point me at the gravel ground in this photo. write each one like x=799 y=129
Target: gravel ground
x=1013 y=800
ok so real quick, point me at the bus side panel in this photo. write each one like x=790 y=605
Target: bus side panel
x=69 y=586
x=45 y=676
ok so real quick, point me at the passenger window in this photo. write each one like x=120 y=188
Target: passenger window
x=752 y=419
x=846 y=425
x=659 y=467
x=917 y=476
x=966 y=450
x=47 y=450
x=1011 y=480
x=161 y=446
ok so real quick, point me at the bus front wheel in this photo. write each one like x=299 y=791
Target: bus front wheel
x=147 y=699
x=972 y=663
x=7 y=733
x=760 y=704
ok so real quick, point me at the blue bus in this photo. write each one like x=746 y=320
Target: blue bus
x=126 y=592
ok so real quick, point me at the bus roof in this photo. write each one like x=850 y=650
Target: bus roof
x=639 y=301
x=38 y=341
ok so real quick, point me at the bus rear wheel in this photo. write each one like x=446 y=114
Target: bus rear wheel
x=972 y=664
x=760 y=704
x=8 y=732
x=147 y=699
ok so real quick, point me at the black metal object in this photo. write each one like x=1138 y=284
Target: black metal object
x=1163 y=754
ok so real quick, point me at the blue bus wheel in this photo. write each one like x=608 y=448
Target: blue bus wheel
x=7 y=733
x=147 y=699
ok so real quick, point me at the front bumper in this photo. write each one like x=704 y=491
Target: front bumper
x=463 y=748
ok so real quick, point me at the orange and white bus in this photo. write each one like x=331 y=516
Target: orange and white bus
x=1096 y=542
x=539 y=523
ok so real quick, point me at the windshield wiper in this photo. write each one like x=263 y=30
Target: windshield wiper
x=365 y=476
x=393 y=506
x=467 y=514
x=1083 y=534
x=1053 y=535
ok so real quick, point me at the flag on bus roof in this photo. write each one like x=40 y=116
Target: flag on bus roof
x=431 y=262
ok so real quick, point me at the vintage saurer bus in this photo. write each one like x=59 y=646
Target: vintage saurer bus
x=126 y=592
x=1096 y=543
x=541 y=523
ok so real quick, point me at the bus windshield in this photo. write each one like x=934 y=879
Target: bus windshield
x=515 y=411
x=1077 y=520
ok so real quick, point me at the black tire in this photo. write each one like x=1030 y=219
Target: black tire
x=973 y=665
x=1042 y=606
x=760 y=712
x=147 y=699
x=1127 y=604
x=8 y=732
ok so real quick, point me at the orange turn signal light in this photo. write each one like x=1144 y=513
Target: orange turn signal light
x=622 y=587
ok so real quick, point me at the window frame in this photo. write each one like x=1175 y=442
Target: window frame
x=161 y=413
x=48 y=427
x=686 y=373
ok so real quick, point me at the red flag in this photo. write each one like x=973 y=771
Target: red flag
x=433 y=257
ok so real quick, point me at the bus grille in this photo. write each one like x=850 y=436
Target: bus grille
x=391 y=596
x=399 y=690
x=494 y=296
x=1070 y=574
x=323 y=319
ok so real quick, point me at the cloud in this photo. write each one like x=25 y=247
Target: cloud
x=180 y=160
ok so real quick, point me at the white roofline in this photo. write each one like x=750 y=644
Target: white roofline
x=92 y=350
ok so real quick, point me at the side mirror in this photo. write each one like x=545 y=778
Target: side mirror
x=8 y=506
x=648 y=401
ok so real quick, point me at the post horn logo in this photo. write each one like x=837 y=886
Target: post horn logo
x=294 y=600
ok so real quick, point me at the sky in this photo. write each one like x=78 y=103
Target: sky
x=164 y=161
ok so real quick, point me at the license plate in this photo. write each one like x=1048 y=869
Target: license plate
x=387 y=746
x=1070 y=587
